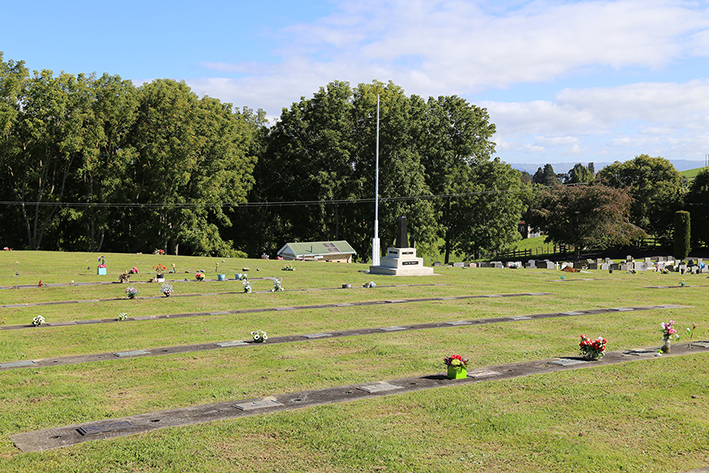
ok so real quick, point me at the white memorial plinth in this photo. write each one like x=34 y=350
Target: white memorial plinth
x=401 y=262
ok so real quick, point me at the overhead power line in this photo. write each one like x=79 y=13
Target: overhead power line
x=251 y=204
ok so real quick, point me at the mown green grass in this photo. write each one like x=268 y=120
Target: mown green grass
x=641 y=416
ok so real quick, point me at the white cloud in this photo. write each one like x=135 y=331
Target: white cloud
x=445 y=47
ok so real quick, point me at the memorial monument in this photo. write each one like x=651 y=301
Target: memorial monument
x=401 y=259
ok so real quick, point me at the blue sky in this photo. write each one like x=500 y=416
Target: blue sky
x=563 y=81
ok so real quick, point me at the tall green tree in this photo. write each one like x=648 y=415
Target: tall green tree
x=100 y=176
x=403 y=189
x=697 y=202
x=310 y=157
x=190 y=158
x=656 y=188
x=51 y=133
x=682 y=234
x=488 y=209
x=457 y=138
x=584 y=216
x=546 y=176
x=580 y=174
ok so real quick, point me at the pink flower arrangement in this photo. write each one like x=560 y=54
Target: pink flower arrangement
x=455 y=360
x=592 y=349
x=668 y=330
x=133 y=270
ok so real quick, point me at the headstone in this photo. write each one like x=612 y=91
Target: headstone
x=549 y=265
x=614 y=266
x=628 y=258
x=604 y=266
x=437 y=263
x=531 y=264
x=608 y=261
x=496 y=264
x=661 y=259
x=637 y=266
x=624 y=266
x=648 y=261
x=458 y=265
x=483 y=264
x=472 y=265
x=592 y=265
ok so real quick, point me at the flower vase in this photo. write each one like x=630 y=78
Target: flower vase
x=101 y=271
x=457 y=372
x=666 y=347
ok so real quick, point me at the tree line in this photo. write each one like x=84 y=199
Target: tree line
x=94 y=163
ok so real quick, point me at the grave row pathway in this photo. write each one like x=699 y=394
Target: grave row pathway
x=78 y=359
x=113 y=299
x=119 y=427
x=264 y=309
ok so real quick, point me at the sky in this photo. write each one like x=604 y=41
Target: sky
x=564 y=81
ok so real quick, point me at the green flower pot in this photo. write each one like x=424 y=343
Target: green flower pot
x=457 y=372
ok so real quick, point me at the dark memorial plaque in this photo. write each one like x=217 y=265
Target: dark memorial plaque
x=409 y=263
x=102 y=428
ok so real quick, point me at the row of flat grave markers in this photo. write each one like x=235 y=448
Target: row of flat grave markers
x=694 y=266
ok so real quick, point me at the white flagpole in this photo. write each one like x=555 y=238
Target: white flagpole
x=376 y=252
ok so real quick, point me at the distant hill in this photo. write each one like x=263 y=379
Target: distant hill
x=679 y=164
x=691 y=173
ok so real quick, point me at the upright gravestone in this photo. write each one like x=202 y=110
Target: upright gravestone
x=401 y=259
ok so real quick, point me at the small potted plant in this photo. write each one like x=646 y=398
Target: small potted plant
x=592 y=349
x=259 y=336
x=668 y=331
x=131 y=292
x=166 y=289
x=159 y=270
x=101 y=270
x=457 y=367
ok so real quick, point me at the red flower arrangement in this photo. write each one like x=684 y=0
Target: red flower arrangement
x=592 y=349
x=456 y=361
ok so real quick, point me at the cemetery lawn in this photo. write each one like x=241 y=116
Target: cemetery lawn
x=642 y=416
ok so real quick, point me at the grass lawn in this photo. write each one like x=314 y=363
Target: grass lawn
x=642 y=416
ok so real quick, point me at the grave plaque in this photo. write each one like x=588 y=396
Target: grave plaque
x=378 y=387
x=17 y=364
x=482 y=373
x=122 y=354
x=262 y=404
x=102 y=428
x=640 y=352
x=566 y=362
x=392 y=329
x=231 y=344
x=317 y=335
x=459 y=322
